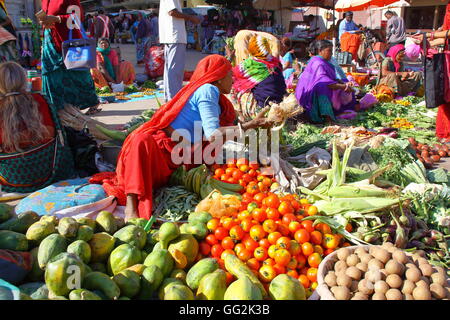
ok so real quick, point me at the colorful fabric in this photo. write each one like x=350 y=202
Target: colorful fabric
x=99 y=79
x=403 y=87
x=446 y=25
x=61 y=195
x=443 y=122
x=259 y=47
x=242 y=39
x=350 y=43
x=8 y=48
x=253 y=71
x=142 y=45
x=14 y=265
x=272 y=89
x=105 y=53
x=127 y=74
x=392 y=53
x=62 y=86
x=347 y=27
x=144 y=162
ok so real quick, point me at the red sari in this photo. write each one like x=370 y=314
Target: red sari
x=145 y=163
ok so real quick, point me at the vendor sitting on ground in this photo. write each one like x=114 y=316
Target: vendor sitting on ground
x=145 y=162
x=349 y=36
x=260 y=74
x=393 y=73
x=110 y=69
x=28 y=135
x=320 y=91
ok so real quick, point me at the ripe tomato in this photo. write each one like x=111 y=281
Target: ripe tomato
x=229 y=171
x=346 y=244
x=301 y=261
x=292 y=273
x=241 y=161
x=302 y=236
x=264 y=243
x=284 y=243
x=285 y=208
x=221 y=233
x=237 y=174
x=273 y=237
x=213 y=224
x=271 y=251
x=294 y=248
x=225 y=252
x=250 y=244
x=304 y=280
x=282 y=257
x=230 y=278
x=246 y=224
x=237 y=233
x=294 y=226
x=216 y=250
x=259 y=197
x=252 y=188
x=279 y=269
x=323 y=227
x=288 y=218
x=257 y=232
x=205 y=248
x=283 y=229
x=312 y=210
x=328 y=251
x=272 y=201
x=211 y=239
x=272 y=213
x=292 y=264
x=260 y=254
x=349 y=227
x=253 y=165
x=239 y=247
x=314 y=260
x=303 y=270
x=267 y=273
x=253 y=173
x=219 y=172
x=267 y=182
x=259 y=215
x=243 y=214
x=330 y=241
x=244 y=168
x=247 y=178
x=304 y=201
x=269 y=226
x=227 y=243
x=308 y=225
x=314 y=285
x=253 y=264
x=318 y=249
x=268 y=262
x=244 y=255
x=307 y=249
x=312 y=274
x=296 y=205
x=228 y=223
x=316 y=237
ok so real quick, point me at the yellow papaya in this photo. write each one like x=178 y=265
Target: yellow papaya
x=187 y=244
x=162 y=259
x=131 y=234
x=243 y=289
x=212 y=286
x=84 y=233
x=105 y=222
x=199 y=270
x=178 y=292
x=168 y=231
x=60 y=269
x=179 y=274
x=38 y=231
x=52 y=219
x=101 y=246
x=165 y=285
x=81 y=249
x=129 y=283
x=284 y=287
x=179 y=258
x=122 y=257
x=138 y=268
x=68 y=227
x=86 y=222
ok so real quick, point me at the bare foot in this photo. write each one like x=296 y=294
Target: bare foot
x=130 y=214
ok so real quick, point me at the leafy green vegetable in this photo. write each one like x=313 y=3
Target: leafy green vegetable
x=148 y=84
x=131 y=89
x=306 y=137
x=438 y=176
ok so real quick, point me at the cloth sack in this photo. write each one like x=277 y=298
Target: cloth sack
x=14 y=265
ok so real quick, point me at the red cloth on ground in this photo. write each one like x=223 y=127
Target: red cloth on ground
x=144 y=162
x=47 y=121
x=443 y=121
x=60 y=32
x=350 y=42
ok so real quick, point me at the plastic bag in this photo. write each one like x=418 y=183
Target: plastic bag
x=219 y=205
x=154 y=65
x=119 y=87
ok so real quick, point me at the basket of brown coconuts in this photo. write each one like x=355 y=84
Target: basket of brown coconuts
x=380 y=273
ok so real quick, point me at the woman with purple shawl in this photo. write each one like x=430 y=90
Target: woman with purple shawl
x=320 y=91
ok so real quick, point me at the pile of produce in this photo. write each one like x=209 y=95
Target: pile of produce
x=382 y=273
x=427 y=154
x=174 y=203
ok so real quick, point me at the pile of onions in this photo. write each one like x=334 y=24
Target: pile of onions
x=429 y=155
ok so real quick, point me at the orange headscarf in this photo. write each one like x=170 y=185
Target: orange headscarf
x=210 y=69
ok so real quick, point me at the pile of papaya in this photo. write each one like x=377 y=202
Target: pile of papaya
x=108 y=259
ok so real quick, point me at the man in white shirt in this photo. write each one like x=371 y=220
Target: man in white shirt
x=172 y=33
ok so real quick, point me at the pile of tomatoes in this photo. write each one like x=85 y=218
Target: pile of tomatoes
x=269 y=233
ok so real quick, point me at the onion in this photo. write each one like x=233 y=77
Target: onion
x=435 y=158
x=442 y=153
x=425 y=154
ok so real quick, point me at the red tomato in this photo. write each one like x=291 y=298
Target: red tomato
x=264 y=243
x=269 y=226
x=244 y=255
x=225 y=252
x=294 y=226
x=301 y=236
x=316 y=237
x=213 y=224
x=205 y=248
x=279 y=269
x=308 y=225
x=285 y=208
x=268 y=262
x=304 y=281
x=323 y=227
x=284 y=243
x=238 y=247
x=253 y=173
x=252 y=188
x=301 y=261
x=292 y=264
x=282 y=257
x=284 y=229
x=314 y=260
x=272 y=213
x=312 y=274
x=216 y=250
x=288 y=218
x=307 y=249
x=257 y=232
x=294 y=248
x=246 y=224
x=224 y=177
x=273 y=237
x=253 y=264
x=221 y=233
x=254 y=166
x=247 y=178
x=236 y=232
x=227 y=243
x=230 y=278
x=228 y=223
x=211 y=239
x=250 y=244
x=292 y=273
x=219 y=172
x=272 y=201
x=259 y=215
x=260 y=254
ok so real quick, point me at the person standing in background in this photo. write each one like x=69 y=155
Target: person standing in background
x=8 y=48
x=155 y=28
x=349 y=35
x=103 y=26
x=143 y=35
x=174 y=37
x=395 y=29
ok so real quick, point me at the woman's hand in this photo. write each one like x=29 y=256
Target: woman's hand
x=49 y=21
x=260 y=121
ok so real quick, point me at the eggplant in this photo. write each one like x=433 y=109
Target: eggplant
x=416 y=244
x=436 y=235
x=428 y=241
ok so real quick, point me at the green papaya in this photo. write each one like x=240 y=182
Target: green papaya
x=84 y=233
x=100 y=281
x=178 y=292
x=36 y=290
x=52 y=219
x=197 y=229
x=199 y=270
x=133 y=235
x=167 y=283
x=68 y=227
x=150 y=241
x=168 y=231
x=83 y=294
x=101 y=246
x=144 y=255
x=151 y=279
x=6 y=212
x=201 y=217
x=21 y=223
x=140 y=222
x=38 y=231
x=86 y=222
x=13 y=241
x=186 y=244
x=36 y=273
x=129 y=283
x=87 y=268
x=105 y=222
x=100 y=294
x=124 y=298
x=179 y=274
x=63 y=271
x=98 y=266
x=212 y=286
x=122 y=257
x=184 y=228
x=162 y=259
x=284 y=287
x=81 y=249
x=243 y=289
x=50 y=247
x=157 y=247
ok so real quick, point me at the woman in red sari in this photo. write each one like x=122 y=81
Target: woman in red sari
x=145 y=162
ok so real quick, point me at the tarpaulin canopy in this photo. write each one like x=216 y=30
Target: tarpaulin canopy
x=326 y=4
x=359 y=5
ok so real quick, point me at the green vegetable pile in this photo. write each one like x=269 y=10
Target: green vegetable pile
x=103 y=90
x=175 y=203
x=305 y=138
x=131 y=89
x=148 y=84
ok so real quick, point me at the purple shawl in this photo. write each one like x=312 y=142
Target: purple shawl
x=314 y=80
